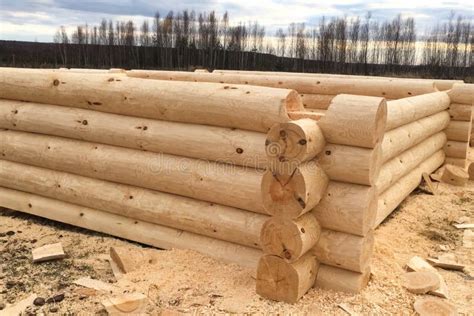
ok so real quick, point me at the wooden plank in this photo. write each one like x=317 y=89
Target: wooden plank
x=48 y=252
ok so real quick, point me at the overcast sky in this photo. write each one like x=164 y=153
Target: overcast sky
x=38 y=20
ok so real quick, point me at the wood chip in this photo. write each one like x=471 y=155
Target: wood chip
x=468 y=239
x=128 y=259
x=345 y=307
x=417 y=264
x=19 y=307
x=428 y=306
x=445 y=264
x=96 y=285
x=470 y=170
x=429 y=183
x=464 y=226
x=126 y=304
x=420 y=282
x=48 y=252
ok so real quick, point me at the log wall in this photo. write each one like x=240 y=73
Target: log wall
x=239 y=166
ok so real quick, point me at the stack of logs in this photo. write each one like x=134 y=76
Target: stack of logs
x=459 y=130
x=230 y=166
x=412 y=145
x=170 y=164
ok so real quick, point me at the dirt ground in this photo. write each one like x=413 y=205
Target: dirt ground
x=187 y=282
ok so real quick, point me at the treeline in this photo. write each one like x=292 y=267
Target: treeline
x=188 y=39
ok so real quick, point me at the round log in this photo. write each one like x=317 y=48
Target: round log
x=388 y=88
x=348 y=208
x=336 y=279
x=351 y=164
x=401 y=165
x=460 y=112
x=291 y=195
x=209 y=181
x=213 y=220
x=404 y=137
x=355 y=120
x=289 y=144
x=282 y=281
x=455 y=175
x=456 y=149
x=394 y=195
x=459 y=131
x=462 y=93
x=244 y=107
x=420 y=282
x=316 y=101
x=403 y=111
x=344 y=251
x=443 y=84
x=290 y=239
x=245 y=148
x=127 y=228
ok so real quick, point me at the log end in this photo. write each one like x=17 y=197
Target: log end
x=290 y=239
x=282 y=281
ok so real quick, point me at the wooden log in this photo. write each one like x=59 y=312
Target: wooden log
x=243 y=107
x=348 y=208
x=392 y=89
x=344 y=251
x=245 y=148
x=404 y=137
x=455 y=175
x=399 y=166
x=336 y=279
x=403 y=111
x=289 y=144
x=290 y=195
x=351 y=164
x=460 y=112
x=440 y=84
x=462 y=93
x=460 y=162
x=305 y=115
x=290 y=239
x=355 y=120
x=282 y=281
x=217 y=221
x=443 y=84
x=316 y=101
x=459 y=131
x=394 y=195
x=127 y=228
x=209 y=181
x=456 y=149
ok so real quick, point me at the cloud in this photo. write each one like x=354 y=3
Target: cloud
x=38 y=19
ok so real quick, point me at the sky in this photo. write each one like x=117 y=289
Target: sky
x=38 y=20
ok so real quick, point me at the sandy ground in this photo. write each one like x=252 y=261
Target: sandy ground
x=187 y=282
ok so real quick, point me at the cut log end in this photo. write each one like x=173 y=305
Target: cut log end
x=290 y=144
x=420 y=282
x=282 y=281
x=292 y=195
x=290 y=239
